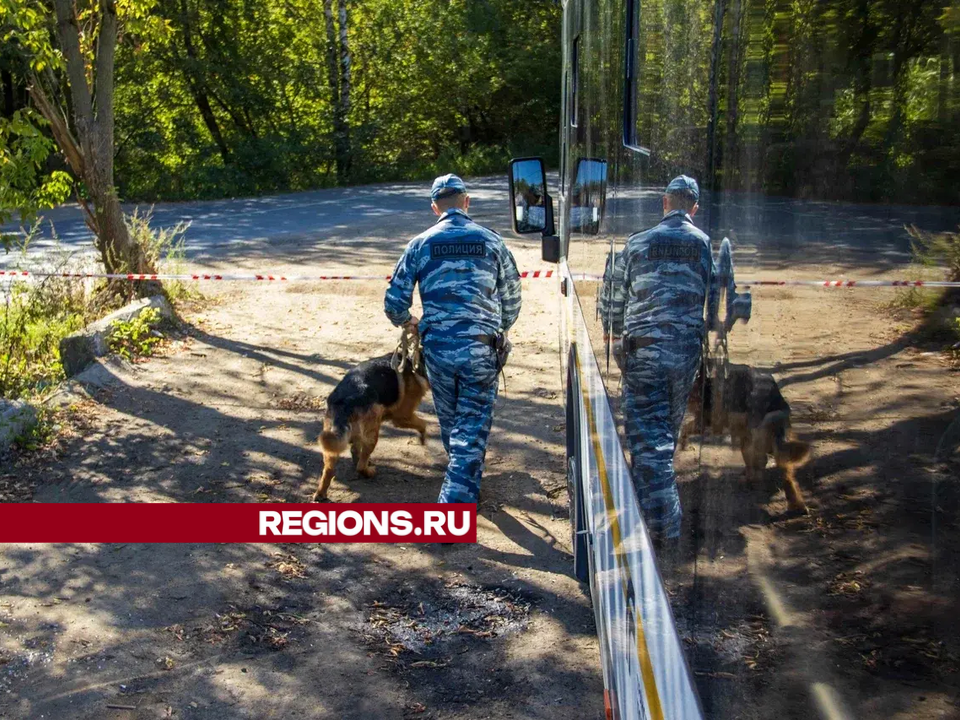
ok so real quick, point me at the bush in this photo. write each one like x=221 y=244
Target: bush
x=165 y=249
x=932 y=253
x=137 y=337
x=940 y=250
x=34 y=317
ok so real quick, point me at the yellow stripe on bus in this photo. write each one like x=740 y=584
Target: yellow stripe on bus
x=643 y=653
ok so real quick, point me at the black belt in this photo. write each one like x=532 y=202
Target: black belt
x=490 y=340
x=631 y=344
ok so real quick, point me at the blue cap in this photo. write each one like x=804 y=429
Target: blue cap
x=446 y=185
x=684 y=185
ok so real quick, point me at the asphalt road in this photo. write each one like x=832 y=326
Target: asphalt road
x=775 y=229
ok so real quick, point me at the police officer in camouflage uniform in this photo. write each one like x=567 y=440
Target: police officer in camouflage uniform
x=661 y=281
x=470 y=292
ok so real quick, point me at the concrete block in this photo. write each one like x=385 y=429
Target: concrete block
x=16 y=418
x=81 y=348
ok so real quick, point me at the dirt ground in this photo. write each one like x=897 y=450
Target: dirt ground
x=230 y=413
x=851 y=612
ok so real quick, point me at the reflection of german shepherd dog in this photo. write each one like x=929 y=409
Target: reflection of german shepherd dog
x=751 y=407
x=531 y=197
x=370 y=393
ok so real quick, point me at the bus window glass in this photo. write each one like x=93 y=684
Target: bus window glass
x=641 y=78
x=802 y=441
x=575 y=84
x=588 y=195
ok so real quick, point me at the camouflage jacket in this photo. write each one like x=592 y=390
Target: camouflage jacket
x=469 y=284
x=661 y=280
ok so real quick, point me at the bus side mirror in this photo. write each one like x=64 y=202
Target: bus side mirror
x=531 y=207
x=528 y=195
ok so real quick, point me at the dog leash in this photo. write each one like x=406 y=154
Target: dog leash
x=408 y=352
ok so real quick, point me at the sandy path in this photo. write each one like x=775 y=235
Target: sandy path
x=87 y=626
x=853 y=607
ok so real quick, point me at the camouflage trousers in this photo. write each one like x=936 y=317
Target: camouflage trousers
x=464 y=383
x=657 y=383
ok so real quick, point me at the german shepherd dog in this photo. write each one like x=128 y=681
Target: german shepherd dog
x=374 y=391
x=751 y=407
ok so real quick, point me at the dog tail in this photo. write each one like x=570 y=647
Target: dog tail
x=792 y=452
x=787 y=451
x=333 y=442
x=336 y=431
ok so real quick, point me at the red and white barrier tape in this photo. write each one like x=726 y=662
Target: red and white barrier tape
x=753 y=282
x=850 y=283
x=16 y=274
x=525 y=275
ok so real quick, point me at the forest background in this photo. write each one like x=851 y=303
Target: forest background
x=841 y=99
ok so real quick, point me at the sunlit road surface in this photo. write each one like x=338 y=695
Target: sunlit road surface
x=764 y=229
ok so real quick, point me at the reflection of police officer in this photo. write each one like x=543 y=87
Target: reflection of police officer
x=660 y=283
x=470 y=291
x=605 y=291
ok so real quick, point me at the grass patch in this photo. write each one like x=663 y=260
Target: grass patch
x=138 y=337
x=936 y=256
x=937 y=250
x=915 y=299
x=36 y=315
x=165 y=248
x=43 y=433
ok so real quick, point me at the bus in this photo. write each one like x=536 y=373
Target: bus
x=824 y=138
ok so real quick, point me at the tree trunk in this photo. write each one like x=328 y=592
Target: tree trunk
x=210 y=120
x=198 y=86
x=905 y=29
x=862 y=85
x=338 y=77
x=720 y=9
x=333 y=80
x=943 y=88
x=730 y=159
x=90 y=150
x=9 y=102
x=345 y=159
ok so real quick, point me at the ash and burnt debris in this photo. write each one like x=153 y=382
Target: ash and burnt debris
x=253 y=629
x=430 y=622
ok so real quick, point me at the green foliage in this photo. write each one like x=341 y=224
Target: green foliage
x=165 y=249
x=25 y=187
x=846 y=99
x=939 y=250
x=933 y=253
x=30 y=334
x=137 y=337
x=915 y=298
x=955 y=348
x=34 y=317
x=27 y=25
x=485 y=86
x=937 y=255
x=41 y=433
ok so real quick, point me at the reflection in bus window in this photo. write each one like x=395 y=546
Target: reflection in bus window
x=588 y=195
x=817 y=571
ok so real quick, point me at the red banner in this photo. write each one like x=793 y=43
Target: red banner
x=237 y=522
